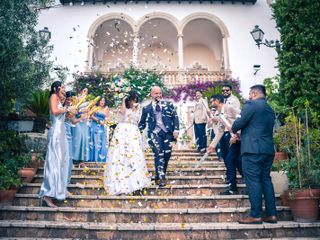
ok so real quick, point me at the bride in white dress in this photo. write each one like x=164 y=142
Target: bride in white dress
x=126 y=169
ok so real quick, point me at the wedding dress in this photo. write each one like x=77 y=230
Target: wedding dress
x=126 y=169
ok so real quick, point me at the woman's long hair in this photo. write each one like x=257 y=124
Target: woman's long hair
x=55 y=87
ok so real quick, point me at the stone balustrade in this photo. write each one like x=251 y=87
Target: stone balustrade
x=181 y=77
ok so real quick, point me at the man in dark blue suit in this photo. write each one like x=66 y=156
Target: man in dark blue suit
x=163 y=129
x=256 y=123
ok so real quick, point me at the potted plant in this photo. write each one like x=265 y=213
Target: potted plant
x=9 y=183
x=279 y=137
x=39 y=105
x=15 y=155
x=303 y=165
x=26 y=172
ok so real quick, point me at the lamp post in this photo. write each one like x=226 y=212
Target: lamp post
x=45 y=34
x=257 y=35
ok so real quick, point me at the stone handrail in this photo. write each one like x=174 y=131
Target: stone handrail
x=181 y=77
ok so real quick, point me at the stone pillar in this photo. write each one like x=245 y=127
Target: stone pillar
x=90 y=55
x=180 y=57
x=135 y=51
x=225 y=53
x=180 y=51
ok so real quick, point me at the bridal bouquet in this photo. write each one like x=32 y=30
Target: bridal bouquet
x=120 y=88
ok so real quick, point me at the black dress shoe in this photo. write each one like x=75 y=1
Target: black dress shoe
x=250 y=220
x=229 y=192
x=270 y=219
x=161 y=183
x=202 y=152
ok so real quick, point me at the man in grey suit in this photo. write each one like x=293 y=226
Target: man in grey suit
x=257 y=151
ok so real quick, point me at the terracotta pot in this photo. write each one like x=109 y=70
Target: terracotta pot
x=26 y=174
x=7 y=196
x=304 y=205
x=279 y=156
x=34 y=163
x=285 y=198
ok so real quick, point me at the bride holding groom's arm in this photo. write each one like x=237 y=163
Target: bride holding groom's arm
x=126 y=169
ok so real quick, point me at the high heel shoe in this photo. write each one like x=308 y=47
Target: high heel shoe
x=44 y=202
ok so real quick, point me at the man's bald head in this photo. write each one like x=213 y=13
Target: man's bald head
x=156 y=93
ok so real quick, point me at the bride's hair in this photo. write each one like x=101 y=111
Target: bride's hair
x=132 y=95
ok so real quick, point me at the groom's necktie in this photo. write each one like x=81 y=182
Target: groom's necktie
x=158 y=109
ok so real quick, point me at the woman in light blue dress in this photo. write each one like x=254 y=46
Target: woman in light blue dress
x=55 y=176
x=80 y=137
x=97 y=142
x=69 y=130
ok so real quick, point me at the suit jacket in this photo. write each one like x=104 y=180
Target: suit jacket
x=256 y=123
x=230 y=113
x=201 y=111
x=169 y=118
x=233 y=101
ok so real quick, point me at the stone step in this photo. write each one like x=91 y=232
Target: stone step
x=177 y=190
x=180 y=180
x=172 y=160
x=175 y=164
x=225 y=230
x=281 y=238
x=202 y=171
x=118 y=215
x=155 y=202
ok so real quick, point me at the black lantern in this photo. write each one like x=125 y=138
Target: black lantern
x=45 y=34
x=257 y=35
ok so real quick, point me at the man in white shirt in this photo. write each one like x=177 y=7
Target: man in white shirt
x=200 y=118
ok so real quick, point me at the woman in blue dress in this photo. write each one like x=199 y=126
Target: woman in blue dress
x=56 y=168
x=69 y=130
x=80 y=136
x=97 y=142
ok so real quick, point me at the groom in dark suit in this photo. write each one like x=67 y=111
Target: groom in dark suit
x=163 y=129
x=256 y=123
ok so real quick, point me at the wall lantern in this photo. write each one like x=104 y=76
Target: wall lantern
x=257 y=35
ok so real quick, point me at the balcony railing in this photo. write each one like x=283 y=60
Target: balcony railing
x=182 y=77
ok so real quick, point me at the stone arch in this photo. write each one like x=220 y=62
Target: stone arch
x=208 y=16
x=154 y=15
x=111 y=16
x=94 y=26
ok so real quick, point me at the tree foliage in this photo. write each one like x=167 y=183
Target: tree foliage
x=23 y=53
x=138 y=80
x=299 y=57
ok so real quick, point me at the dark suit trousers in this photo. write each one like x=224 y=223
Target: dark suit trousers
x=161 y=147
x=256 y=170
x=200 y=135
x=232 y=159
x=233 y=162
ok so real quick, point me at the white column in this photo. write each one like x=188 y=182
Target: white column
x=180 y=51
x=225 y=53
x=135 y=50
x=90 y=55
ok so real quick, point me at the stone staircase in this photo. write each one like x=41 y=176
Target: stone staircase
x=189 y=207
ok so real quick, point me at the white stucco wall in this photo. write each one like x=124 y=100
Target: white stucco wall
x=69 y=27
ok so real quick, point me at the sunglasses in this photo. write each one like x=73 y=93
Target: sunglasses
x=225 y=90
